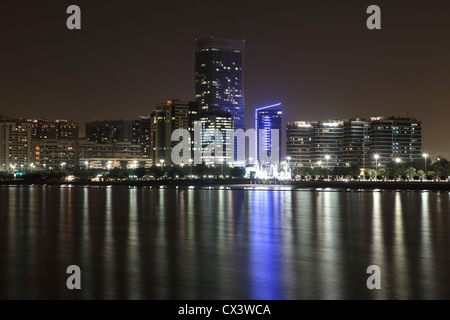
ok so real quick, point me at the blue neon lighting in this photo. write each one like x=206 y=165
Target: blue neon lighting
x=256 y=125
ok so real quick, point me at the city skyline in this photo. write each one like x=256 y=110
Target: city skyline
x=321 y=63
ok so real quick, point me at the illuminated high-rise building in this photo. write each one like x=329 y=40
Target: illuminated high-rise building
x=167 y=117
x=141 y=134
x=215 y=124
x=218 y=76
x=58 y=129
x=267 y=119
x=15 y=145
x=354 y=141
x=316 y=142
x=355 y=150
x=395 y=137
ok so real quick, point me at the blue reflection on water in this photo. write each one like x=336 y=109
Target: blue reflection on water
x=265 y=263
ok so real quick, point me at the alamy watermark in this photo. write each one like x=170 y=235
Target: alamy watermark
x=216 y=146
x=374 y=280
x=74 y=20
x=74 y=280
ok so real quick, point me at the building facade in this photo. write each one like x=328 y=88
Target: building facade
x=298 y=143
x=215 y=124
x=395 y=137
x=15 y=146
x=354 y=141
x=267 y=119
x=58 y=129
x=141 y=135
x=315 y=143
x=167 y=117
x=108 y=131
x=60 y=154
x=356 y=138
x=218 y=77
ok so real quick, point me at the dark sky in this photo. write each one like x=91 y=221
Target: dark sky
x=316 y=57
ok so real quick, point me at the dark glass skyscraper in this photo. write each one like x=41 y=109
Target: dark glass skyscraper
x=218 y=77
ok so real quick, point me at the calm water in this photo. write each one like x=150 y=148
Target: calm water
x=222 y=244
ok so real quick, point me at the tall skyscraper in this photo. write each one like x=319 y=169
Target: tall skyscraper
x=267 y=119
x=218 y=77
x=167 y=117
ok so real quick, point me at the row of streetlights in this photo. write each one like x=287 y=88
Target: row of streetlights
x=182 y=165
x=376 y=156
x=13 y=166
x=398 y=160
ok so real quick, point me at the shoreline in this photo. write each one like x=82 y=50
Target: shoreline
x=247 y=183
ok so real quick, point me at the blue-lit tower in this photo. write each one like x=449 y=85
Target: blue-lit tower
x=267 y=118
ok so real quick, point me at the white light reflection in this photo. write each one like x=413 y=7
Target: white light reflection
x=12 y=273
x=109 y=254
x=401 y=269
x=134 y=265
x=86 y=242
x=331 y=252
x=427 y=268
x=161 y=246
x=378 y=249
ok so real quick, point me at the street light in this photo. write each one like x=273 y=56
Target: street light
x=376 y=165
x=190 y=168
x=328 y=158
x=63 y=164
x=425 y=155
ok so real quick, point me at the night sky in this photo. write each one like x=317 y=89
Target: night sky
x=316 y=57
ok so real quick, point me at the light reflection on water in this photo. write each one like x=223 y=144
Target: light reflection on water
x=222 y=244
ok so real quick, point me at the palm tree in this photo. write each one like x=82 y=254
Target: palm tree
x=421 y=174
x=410 y=172
x=372 y=173
x=381 y=172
